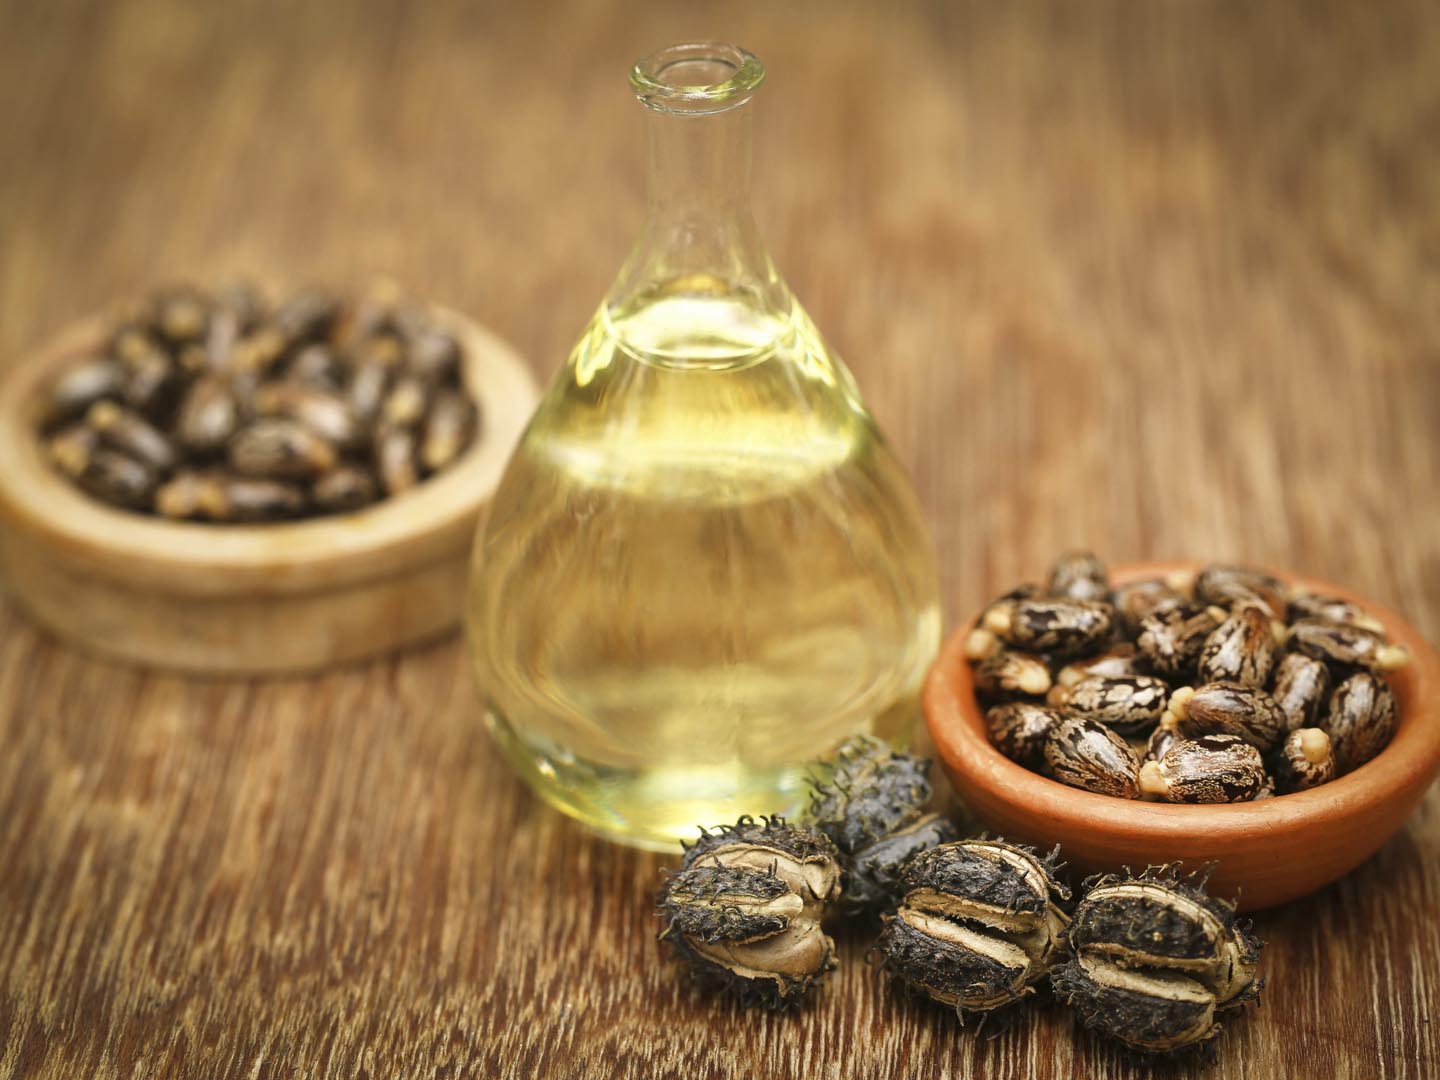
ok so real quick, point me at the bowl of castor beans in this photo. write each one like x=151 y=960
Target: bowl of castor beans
x=1276 y=728
x=230 y=482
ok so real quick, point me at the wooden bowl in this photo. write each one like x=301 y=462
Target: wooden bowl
x=244 y=599
x=1267 y=852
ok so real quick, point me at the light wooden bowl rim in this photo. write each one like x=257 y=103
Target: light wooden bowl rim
x=1403 y=770
x=433 y=520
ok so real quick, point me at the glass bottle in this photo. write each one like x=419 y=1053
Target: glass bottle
x=703 y=566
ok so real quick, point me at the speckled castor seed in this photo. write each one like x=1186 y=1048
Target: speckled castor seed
x=80 y=387
x=1135 y=601
x=1226 y=708
x=1206 y=769
x=1018 y=730
x=1062 y=628
x=1302 y=689
x=1086 y=754
x=1009 y=673
x=1153 y=959
x=129 y=433
x=1172 y=638
x=1122 y=659
x=280 y=449
x=1304 y=760
x=1240 y=649
x=1079 y=575
x=1128 y=704
x=874 y=871
x=1350 y=645
x=1314 y=606
x=1160 y=740
x=978 y=925
x=1361 y=720
x=1237 y=586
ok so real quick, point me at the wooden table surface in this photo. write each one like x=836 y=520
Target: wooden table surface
x=1161 y=278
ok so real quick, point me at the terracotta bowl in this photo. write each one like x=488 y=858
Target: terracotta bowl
x=1265 y=852
x=247 y=599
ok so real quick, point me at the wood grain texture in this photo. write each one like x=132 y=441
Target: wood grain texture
x=1158 y=278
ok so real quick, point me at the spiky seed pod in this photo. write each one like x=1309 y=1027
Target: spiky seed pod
x=1153 y=958
x=1086 y=754
x=1140 y=599
x=1314 y=606
x=745 y=929
x=1128 y=704
x=1226 y=708
x=1304 y=760
x=1234 y=586
x=978 y=926
x=1240 y=649
x=874 y=875
x=1062 y=628
x=804 y=858
x=1302 y=688
x=871 y=791
x=1350 y=645
x=1079 y=575
x=1172 y=638
x=1361 y=720
x=1206 y=769
x=1118 y=660
x=1018 y=730
x=1009 y=673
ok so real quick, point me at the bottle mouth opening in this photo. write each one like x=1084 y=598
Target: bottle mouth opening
x=697 y=79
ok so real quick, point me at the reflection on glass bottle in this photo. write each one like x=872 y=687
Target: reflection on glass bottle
x=703 y=566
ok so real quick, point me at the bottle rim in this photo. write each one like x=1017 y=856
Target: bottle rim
x=697 y=78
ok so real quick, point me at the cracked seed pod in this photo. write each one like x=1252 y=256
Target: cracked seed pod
x=1227 y=708
x=1305 y=759
x=1128 y=704
x=1118 y=660
x=870 y=791
x=1018 y=730
x=1302 y=687
x=1314 y=606
x=1153 y=958
x=1079 y=575
x=1062 y=628
x=1206 y=769
x=1361 y=719
x=1240 y=649
x=1349 y=645
x=1086 y=754
x=1141 y=599
x=1236 y=586
x=1172 y=638
x=874 y=877
x=978 y=926
x=747 y=930
x=804 y=858
x=1009 y=673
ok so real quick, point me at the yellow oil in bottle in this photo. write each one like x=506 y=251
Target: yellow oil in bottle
x=702 y=569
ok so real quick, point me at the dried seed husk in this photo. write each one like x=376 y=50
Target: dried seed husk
x=723 y=903
x=868 y=791
x=449 y=426
x=1304 y=760
x=324 y=413
x=1086 y=754
x=1314 y=606
x=131 y=434
x=1236 y=586
x=1007 y=888
x=954 y=964
x=1118 y=660
x=804 y=857
x=117 y=478
x=1018 y=730
x=282 y=449
x=208 y=415
x=1302 y=689
x=1135 y=601
x=81 y=386
x=1079 y=575
x=1009 y=673
x=1062 y=628
x=1360 y=720
x=1240 y=649
x=874 y=873
x=1349 y=645
x=343 y=488
x=1128 y=704
x=1206 y=769
x=1227 y=708
x=395 y=464
x=1172 y=638
x=1153 y=1012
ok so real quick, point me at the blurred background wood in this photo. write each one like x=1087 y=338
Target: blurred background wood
x=1158 y=278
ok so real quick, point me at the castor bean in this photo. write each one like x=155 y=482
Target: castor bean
x=448 y=427
x=1313 y=606
x=1079 y=575
x=318 y=366
x=1172 y=637
x=1226 y=708
x=131 y=434
x=1302 y=688
x=1133 y=602
x=1122 y=659
x=1238 y=586
x=281 y=449
x=1160 y=740
x=117 y=478
x=1062 y=628
x=1350 y=645
x=1360 y=720
x=1018 y=730
x=435 y=358
x=72 y=394
x=181 y=316
x=1304 y=760
x=1205 y=769
x=395 y=451
x=343 y=488
x=406 y=404
x=1240 y=649
x=1128 y=704
x=1084 y=753
x=324 y=413
x=208 y=416
x=1008 y=673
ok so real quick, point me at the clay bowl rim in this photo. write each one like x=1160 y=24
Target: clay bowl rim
x=1404 y=769
x=433 y=520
